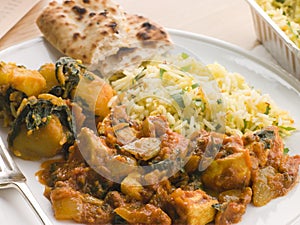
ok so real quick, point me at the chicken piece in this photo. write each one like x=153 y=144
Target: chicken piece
x=172 y=155
x=173 y=146
x=144 y=148
x=204 y=146
x=102 y=158
x=117 y=127
x=192 y=164
x=230 y=145
x=144 y=214
x=193 y=207
x=154 y=126
x=233 y=204
x=161 y=198
x=206 y=142
x=263 y=192
x=266 y=147
x=270 y=183
x=115 y=199
x=273 y=172
x=70 y=204
x=231 y=172
x=132 y=186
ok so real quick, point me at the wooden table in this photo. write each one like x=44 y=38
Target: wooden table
x=228 y=20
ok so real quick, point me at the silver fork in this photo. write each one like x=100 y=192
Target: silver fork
x=12 y=177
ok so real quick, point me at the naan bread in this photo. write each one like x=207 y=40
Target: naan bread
x=145 y=39
x=101 y=34
x=83 y=29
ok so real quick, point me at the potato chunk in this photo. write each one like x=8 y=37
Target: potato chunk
x=231 y=172
x=6 y=72
x=193 y=207
x=96 y=93
x=31 y=82
x=233 y=204
x=48 y=72
x=132 y=187
x=66 y=204
x=44 y=142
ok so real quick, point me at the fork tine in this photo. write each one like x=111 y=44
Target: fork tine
x=11 y=176
x=9 y=161
x=2 y=163
x=25 y=191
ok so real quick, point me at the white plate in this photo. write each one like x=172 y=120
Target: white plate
x=283 y=88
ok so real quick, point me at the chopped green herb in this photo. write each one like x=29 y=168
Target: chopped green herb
x=218 y=207
x=266 y=137
x=139 y=76
x=186 y=68
x=161 y=72
x=195 y=85
x=265 y=134
x=245 y=124
x=179 y=100
x=219 y=101
x=198 y=102
x=218 y=126
x=118 y=147
x=186 y=89
x=286 y=150
x=184 y=55
x=268 y=109
x=287 y=128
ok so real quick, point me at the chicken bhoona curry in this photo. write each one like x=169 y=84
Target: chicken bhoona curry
x=116 y=169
